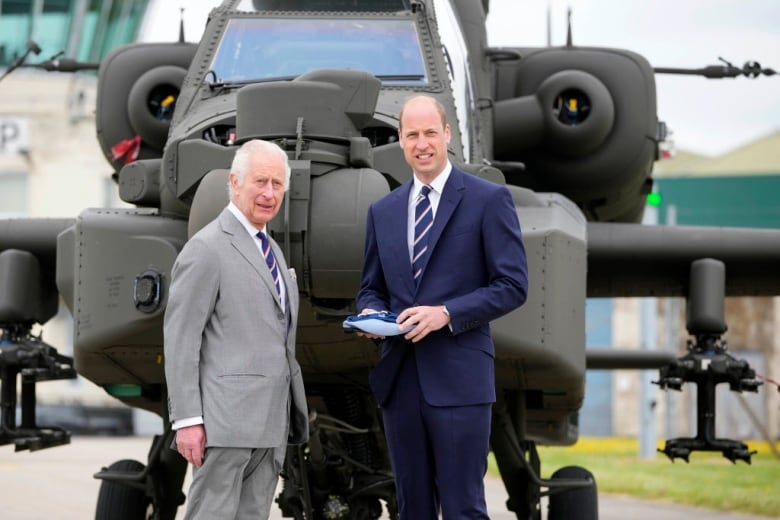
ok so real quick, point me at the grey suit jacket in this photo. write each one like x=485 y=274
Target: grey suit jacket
x=229 y=344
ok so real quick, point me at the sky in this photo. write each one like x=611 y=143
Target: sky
x=708 y=117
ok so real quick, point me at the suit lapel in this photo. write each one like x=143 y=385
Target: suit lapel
x=291 y=289
x=395 y=230
x=450 y=198
x=291 y=294
x=248 y=249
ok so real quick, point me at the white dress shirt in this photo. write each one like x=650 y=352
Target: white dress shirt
x=437 y=186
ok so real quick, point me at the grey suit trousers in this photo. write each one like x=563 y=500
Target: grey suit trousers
x=234 y=483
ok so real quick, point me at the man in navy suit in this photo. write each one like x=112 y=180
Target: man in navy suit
x=435 y=384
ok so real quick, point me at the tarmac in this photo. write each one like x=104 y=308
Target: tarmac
x=57 y=483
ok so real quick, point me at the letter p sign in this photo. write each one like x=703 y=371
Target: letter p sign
x=14 y=135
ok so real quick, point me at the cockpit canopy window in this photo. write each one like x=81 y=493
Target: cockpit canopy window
x=269 y=48
x=324 y=5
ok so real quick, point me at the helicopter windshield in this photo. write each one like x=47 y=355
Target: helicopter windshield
x=268 y=48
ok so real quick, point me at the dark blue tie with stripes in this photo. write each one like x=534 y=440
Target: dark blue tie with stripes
x=423 y=220
x=270 y=260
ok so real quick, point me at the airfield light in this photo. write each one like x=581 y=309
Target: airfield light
x=654 y=199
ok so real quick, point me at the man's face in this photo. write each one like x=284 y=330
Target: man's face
x=424 y=138
x=260 y=194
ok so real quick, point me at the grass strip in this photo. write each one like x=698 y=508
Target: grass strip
x=709 y=480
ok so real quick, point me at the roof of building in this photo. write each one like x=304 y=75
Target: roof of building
x=760 y=157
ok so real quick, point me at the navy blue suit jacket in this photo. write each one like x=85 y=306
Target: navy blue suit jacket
x=476 y=267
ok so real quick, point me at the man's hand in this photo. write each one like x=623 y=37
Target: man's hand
x=367 y=334
x=425 y=319
x=191 y=443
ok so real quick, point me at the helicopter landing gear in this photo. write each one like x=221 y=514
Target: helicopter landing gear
x=133 y=491
x=581 y=503
x=122 y=502
x=571 y=490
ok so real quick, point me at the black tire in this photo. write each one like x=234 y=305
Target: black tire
x=120 y=502
x=577 y=504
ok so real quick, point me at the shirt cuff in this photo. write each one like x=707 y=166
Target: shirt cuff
x=188 y=421
x=447 y=312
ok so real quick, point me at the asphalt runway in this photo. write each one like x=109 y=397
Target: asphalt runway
x=58 y=483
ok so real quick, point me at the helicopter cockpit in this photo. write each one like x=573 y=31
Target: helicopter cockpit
x=273 y=48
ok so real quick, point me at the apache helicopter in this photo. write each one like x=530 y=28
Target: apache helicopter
x=572 y=131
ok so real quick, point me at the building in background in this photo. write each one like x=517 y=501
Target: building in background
x=51 y=165
x=84 y=30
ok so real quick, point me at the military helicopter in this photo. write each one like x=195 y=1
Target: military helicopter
x=572 y=131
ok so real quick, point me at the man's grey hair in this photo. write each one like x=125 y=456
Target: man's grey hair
x=240 y=163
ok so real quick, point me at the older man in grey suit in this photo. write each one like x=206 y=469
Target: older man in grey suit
x=236 y=395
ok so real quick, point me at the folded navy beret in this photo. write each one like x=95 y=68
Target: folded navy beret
x=379 y=323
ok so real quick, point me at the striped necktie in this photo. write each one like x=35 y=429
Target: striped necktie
x=423 y=220
x=270 y=260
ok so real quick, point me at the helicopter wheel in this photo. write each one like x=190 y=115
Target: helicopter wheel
x=120 y=502
x=579 y=504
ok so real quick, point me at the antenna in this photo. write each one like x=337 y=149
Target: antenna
x=32 y=47
x=568 y=27
x=549 y=24
x=181 y=25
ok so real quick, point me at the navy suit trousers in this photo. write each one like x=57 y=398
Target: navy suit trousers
x=446 y=475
